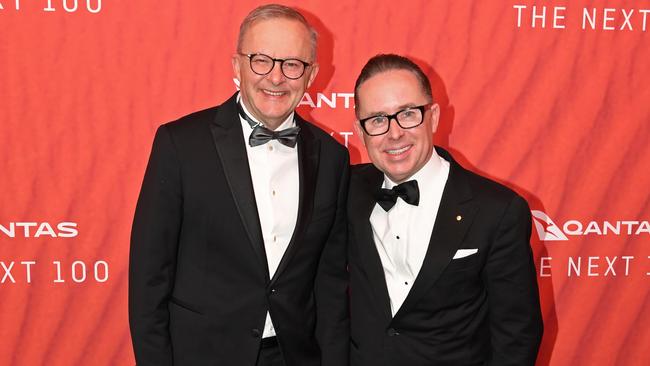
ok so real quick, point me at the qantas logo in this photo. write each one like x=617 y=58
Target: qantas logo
x=548 y=230
x=39 y=229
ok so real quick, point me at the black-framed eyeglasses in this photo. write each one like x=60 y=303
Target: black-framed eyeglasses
x=262 y=64
x=410 y=117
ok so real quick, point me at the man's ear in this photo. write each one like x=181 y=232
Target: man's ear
x=236 y=66
x=359 y=131
x=435 y=117
x=313 y=71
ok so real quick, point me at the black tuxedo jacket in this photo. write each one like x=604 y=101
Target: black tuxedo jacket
x=199 y=285
x=479 y=310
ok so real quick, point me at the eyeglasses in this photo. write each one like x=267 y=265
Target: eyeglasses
x=410 y=117
x=262 y=64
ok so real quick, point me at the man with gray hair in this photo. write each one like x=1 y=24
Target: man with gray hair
x=238 y=247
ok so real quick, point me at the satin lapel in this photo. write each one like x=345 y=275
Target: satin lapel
x=308 y=157
x=227 y=133
x=362 y=203
x=455 y=216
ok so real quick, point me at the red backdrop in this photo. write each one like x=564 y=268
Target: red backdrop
x=552 y=101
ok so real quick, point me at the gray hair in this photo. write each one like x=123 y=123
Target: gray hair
x=275 y=11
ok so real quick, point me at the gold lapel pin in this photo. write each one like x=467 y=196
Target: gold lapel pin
x=459 y=217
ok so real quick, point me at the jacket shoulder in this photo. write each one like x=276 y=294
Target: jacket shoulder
x=364 y=176
x=363 y=169
x=198 y=119
x=490 y=190
x=326 y=140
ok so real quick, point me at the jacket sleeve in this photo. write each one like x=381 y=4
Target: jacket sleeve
x=513 y=299
x=331 y=285
x=152 y=261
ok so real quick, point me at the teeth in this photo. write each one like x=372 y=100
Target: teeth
x=275 y=94
x=398 y=151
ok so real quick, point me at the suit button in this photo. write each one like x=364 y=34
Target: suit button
x=272 y=291
x=392 y=332
x=256 y=333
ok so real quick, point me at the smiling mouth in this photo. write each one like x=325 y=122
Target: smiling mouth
x=399 y=151
x=273 y=93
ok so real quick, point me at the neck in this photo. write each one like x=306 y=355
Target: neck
x=399 y=181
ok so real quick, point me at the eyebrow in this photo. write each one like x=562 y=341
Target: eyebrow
x=281 y=58
x=399 y=108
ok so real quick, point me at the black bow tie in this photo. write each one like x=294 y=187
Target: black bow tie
x=408 y=191
x=261 y=135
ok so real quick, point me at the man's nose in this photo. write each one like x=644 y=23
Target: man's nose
x=394 y=129
x=276 y=76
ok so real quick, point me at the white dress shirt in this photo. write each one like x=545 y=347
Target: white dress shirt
x=274 y=171
x=402 y=234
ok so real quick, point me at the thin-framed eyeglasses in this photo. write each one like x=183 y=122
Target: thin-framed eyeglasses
x=410 y=117
x=262 y=64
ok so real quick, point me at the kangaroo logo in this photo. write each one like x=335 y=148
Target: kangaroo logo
x=546 y=228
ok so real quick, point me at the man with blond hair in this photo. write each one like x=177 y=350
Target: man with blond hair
x=238 y=247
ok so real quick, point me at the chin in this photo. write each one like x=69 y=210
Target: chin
x=399 y=174
x=275 y=110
